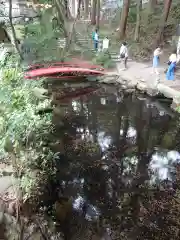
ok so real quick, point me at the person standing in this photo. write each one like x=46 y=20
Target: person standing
x=105 y=44
x=170 y=72
x=95 y=39
x=156 y=59
x=124 y=54
x=172 y=58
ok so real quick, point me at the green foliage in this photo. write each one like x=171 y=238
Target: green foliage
x=151 y=20
x=132 y=15
x=104 y=59
x=41 y=40
x=21 y=129
x=178 y=109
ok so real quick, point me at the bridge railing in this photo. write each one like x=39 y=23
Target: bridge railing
x=64 y=64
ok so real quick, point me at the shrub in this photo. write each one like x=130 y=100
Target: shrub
x=22 y=130
x=104 y=59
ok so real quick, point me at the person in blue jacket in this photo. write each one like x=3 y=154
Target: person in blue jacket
x=170 y=72
x=95 y=38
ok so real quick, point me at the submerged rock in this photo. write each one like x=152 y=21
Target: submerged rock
x=6 y=170
x=40 y=93
x=10 y=194
x=6 y=182
x=63 y=209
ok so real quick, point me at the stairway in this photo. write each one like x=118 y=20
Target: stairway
x=86 y=45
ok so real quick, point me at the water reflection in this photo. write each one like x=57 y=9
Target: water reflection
x=117 y=152
x=162 y=164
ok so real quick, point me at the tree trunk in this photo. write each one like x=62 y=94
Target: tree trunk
x=98 y=14
x=138 y=20
x=167 y=6
x=70 y=32
x=79 y=9
x=86 y=10
x=61 y=17
x=124 y=16
x=69 y=14
x=14 y=38
x=83 y=6
x=93 y=12
x=66 y=8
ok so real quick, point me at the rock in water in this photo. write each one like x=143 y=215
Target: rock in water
x=6 y=182
x=40 y=93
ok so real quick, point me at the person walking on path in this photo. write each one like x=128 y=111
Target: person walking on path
x=172 y=58
x=95 y=39
x=156 y=59
x=124 y=54
x=170 y=72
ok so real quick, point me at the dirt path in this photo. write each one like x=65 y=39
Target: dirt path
x=140 y=76
x=143 y=72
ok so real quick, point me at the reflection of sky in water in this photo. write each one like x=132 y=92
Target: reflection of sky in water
x=162 y=164
x=104 y=141
x=75 y=105
x=85 y=134
x=92 y=212
x=103 y=101
x=130 y=133
x=162 y=161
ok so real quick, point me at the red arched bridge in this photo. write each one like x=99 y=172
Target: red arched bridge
x=71 y=69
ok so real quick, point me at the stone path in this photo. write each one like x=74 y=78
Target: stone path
x=138 y=75
x=143 y=72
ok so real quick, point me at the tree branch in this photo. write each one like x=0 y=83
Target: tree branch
x=13 y=30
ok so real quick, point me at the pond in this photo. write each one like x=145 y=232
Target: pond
x=117 y=157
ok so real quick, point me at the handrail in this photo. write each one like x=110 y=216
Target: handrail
x=70 y=64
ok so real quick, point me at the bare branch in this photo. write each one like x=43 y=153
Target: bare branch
x=13 y=30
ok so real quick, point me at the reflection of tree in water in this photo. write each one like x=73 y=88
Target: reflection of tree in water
x=109 y=142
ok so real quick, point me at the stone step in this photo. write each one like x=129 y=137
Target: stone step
x=82 y=40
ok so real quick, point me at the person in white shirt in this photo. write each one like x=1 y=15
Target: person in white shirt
x=105 y=44
x=124 y=53
x=172 y=58
x=156 y=55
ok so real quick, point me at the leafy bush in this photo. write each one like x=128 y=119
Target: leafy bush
x=22 y=130
x=132 y=15
x=41 y=41
x=104 y=59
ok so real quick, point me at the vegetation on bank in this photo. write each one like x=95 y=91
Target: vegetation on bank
x=23 y=129
x=23 y=132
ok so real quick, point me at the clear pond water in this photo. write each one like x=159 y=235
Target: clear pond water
x=117 y=157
